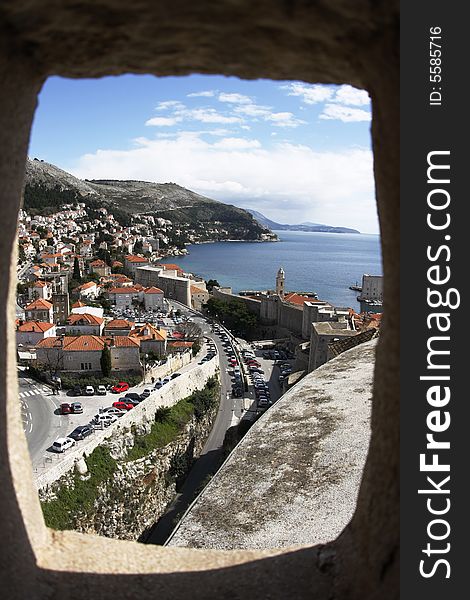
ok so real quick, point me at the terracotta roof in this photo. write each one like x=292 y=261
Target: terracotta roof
x=149 y=332
x=76 y=319
x=78 y=304
x=87 y=343
x=181 y=344
x=39 y=284
x=39 y=304
x=135 y=259
x=171 y=267
x=153 y=290
x=87 y=285
x=98 y=263
x=294 y=298
x=119 y=324
x=196 y=290
x=35 y=326
x=117 y=263
x=122 y=341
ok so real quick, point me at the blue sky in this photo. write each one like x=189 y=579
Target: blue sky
x=293 y=151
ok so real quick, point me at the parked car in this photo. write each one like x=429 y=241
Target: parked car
x=101 y=390
x=104 y=419
x=166 y=380
x=120 y=387
x=175 y=375
x=112 y=410
x=158 y=385
x=146 y=393
x=65 y=409
x=77 y=408
x=81 y=432
x=123 y=405
x=133 y=396
x=89 y=390
x=62 y=444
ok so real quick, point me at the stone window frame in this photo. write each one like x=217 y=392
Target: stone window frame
x=329 y=43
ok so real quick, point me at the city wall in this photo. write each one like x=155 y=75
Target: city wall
x=168 y=395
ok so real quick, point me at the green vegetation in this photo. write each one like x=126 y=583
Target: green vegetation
x=169 y=422
x=211 y=284
x=61 y=512
x=105 y=362
x=235 y=315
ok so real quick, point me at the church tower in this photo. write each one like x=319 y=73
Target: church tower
x=280 y=283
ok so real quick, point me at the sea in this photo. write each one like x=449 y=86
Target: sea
x=324 y=263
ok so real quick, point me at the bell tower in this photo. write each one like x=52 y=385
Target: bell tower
x=280 y=283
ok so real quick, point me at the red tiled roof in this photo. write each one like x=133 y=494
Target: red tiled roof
x=39 y=304
x=294 y=298
x=78 y=304
x=196 y=290
x=171 y=267
x=75 y=319
x=98 y=263
x=149 y=332
x=119 y=324
x=88 y=343
x=135 y=259
x=153 y=290
x=35 y=327
x=87 y=285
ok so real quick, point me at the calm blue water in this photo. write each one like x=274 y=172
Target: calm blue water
x=325 y=263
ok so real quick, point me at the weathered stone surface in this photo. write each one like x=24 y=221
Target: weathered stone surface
x=298 y=469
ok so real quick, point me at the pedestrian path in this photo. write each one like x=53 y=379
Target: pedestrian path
x=34 y=391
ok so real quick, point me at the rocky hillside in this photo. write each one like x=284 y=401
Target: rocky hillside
x=47 y=188
x=315 y=227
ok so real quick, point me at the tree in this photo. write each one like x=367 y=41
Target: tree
x=77 y=275
x=105 y=362
x=211 y=284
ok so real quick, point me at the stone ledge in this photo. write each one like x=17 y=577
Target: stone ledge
x=295 y=476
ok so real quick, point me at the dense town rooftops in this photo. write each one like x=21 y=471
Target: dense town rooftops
x=87 y=343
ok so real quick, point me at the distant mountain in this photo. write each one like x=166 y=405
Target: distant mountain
x=47 y=188
x=307 y=226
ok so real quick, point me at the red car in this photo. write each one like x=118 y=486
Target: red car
x=120 y=387
x=65 y=409
x=123 y=405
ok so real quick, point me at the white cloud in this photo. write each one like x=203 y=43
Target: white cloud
x=252 y=110
x=232 y=143
x=235 y=98
x=206 y=94
x=170 y=104
x=163 y=121
x=209 y=115
x=346 y=94
x=344 y=113
x=296 y=182
x=310 y=94
x=284 y=119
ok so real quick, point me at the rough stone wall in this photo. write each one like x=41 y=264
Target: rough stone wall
x=327 y=42
x=139 y=491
